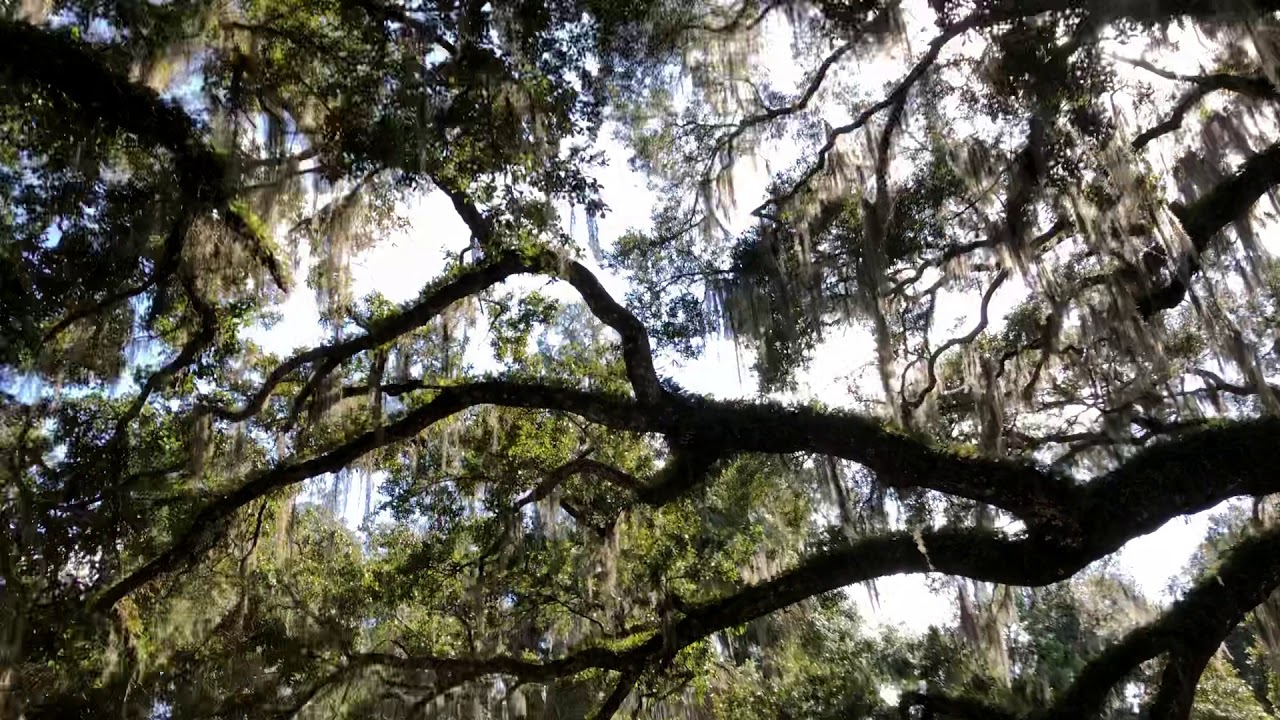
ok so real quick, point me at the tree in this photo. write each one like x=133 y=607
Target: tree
x=573 y=533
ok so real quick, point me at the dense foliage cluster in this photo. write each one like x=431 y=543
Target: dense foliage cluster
x=1044 y=224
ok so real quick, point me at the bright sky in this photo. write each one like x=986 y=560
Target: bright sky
x=399 y=268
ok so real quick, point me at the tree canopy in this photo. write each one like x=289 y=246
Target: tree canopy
x=1037 y=232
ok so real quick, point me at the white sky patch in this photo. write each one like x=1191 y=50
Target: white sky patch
x=890 y=695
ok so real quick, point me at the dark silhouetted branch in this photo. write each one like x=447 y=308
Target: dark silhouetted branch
x=933 y=706
x=910 y=406
x=1208 y=215
x=1190 y=630
x=626 y=683
x=895 y=97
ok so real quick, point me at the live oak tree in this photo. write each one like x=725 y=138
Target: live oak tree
x=572 y=534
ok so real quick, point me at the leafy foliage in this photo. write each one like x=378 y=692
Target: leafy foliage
x=1047 y=252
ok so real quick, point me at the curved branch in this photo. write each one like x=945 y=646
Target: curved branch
x=617 y=413
x=637 y=354
x=801 y=103
x=1215 y=383
x=895 y=97
x=626 y=683
x=636 y=350
x=1195 y=624
x=1185 y=104
x=1072 y=526
x=462 y=285
x=1208 y=215
x=1258 y=86
x=164 y=269
x=116 y=446
x=910 y=406
x=1210 y=610
x=1082 y=521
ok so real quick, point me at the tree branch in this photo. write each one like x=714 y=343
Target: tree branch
x=1068 y=525
x=462 y=285
x=801 y=103
x=1196 y=623
x=910 y=406
x=934 y=705
x=626 y=683
x=1185 y=104
x=1258 y=86
x=78 y=71
x=1252 y=85
x=1250 y=574
x=895 y=96
x=637 y=354
x=1204 y=218
x=53 y=59
x=1157 y=484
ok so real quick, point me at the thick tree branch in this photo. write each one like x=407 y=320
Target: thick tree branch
x=1185 y=104
x=79 y=72
x=1209 y=611
x=1164 y=481
x=626 y=683
x=933 y=706
x=1257 y=86
x=1196 y=623
x=54 y=60
x=1208 y=215
x=637 y=354
x=1215 y=383
x=1181 y=675
x=619 y=413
